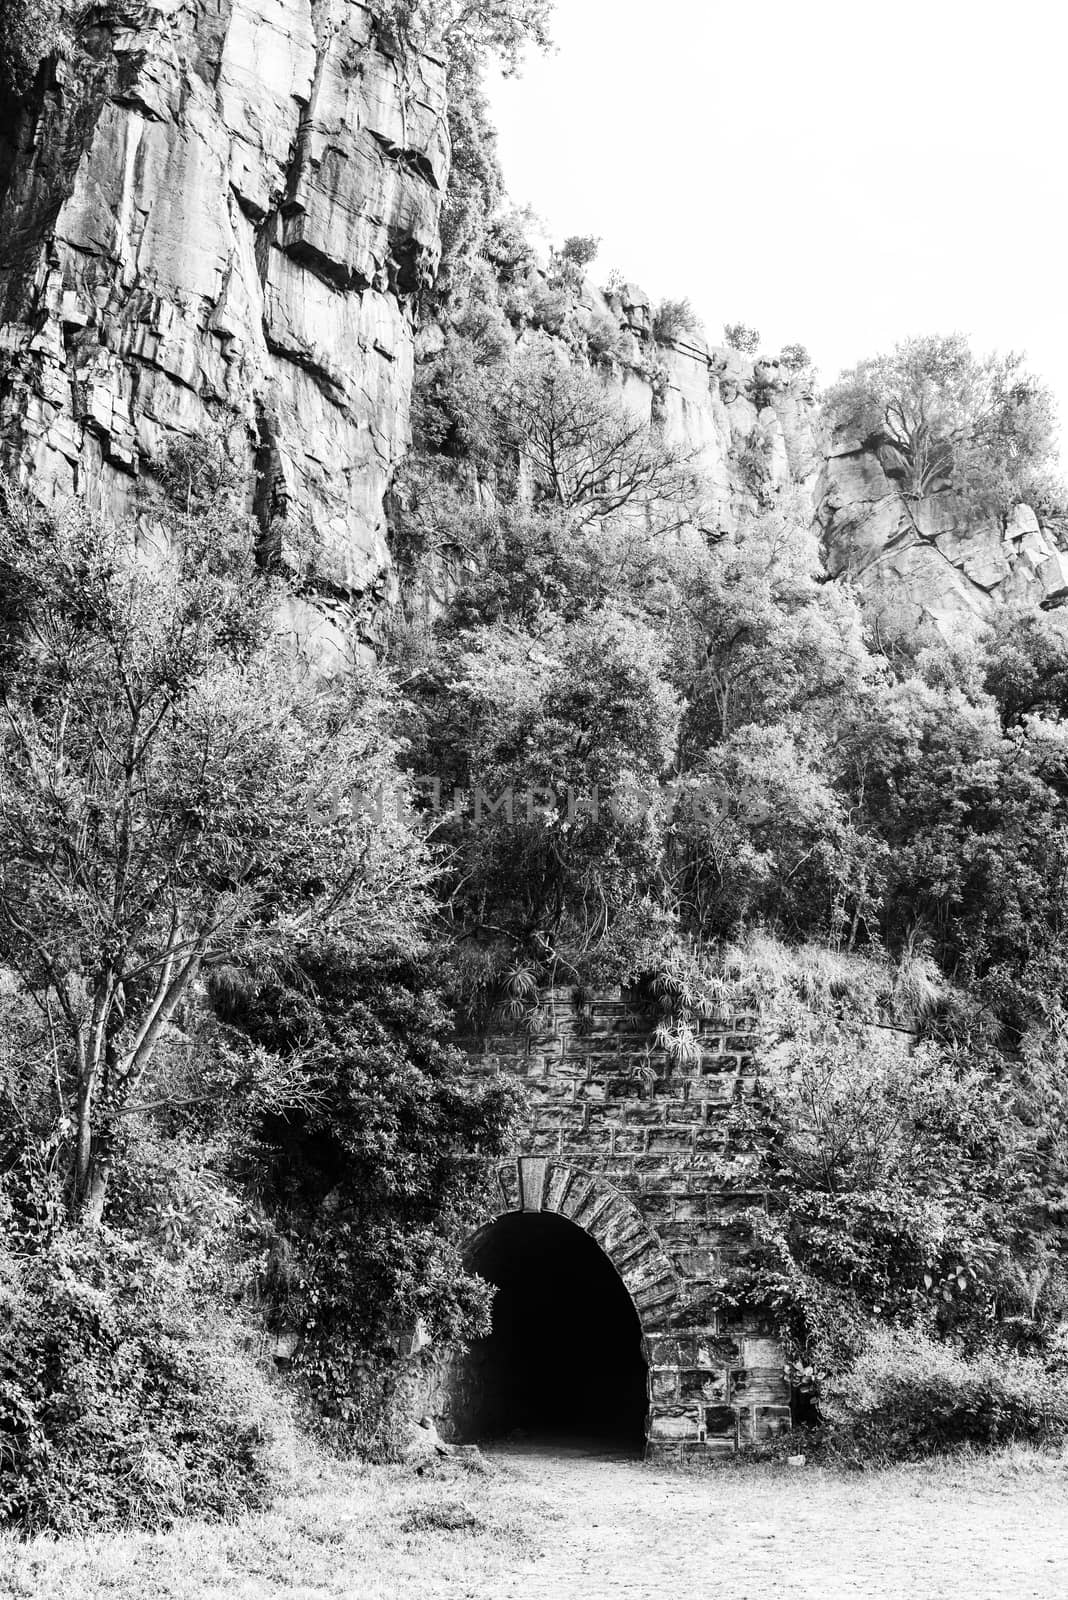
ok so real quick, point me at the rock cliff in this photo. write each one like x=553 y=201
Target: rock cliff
x=216 y=214
x=754 y=424
x=930 y=566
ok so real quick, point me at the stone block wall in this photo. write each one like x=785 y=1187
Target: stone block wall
x=628 y=1144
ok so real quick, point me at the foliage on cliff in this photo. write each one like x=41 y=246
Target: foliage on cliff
x=943 y=420
x=29 y=31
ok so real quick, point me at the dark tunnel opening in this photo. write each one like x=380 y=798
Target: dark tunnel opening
x=564 y=1361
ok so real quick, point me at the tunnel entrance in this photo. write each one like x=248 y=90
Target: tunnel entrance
x=564 y=1362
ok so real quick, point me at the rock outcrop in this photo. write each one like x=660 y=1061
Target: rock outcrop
x=752 y=423
x=216 y=215
x=926 y=567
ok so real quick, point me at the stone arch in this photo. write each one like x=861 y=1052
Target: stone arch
x=610 y=1217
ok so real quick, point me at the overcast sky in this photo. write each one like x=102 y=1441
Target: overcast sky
x=836 y=175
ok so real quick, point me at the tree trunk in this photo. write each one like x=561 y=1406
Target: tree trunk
x=83 y=1150
x=100 y=1174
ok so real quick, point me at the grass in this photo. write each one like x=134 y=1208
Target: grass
x=486 y=1527
x=340 y=1529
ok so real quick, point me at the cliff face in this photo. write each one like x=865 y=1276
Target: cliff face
x=217 y=214
x=929 y=566
x=753 y=423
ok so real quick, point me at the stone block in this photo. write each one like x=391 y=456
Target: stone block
x=719 y=1063
x=664 y=1386
x=670 y=1141
x=757 y=1352
x=702 y=1384
x=720 y=1422
x=644 y=1113
x=664 y=1352
x=628 y=1141
x=668 y=1427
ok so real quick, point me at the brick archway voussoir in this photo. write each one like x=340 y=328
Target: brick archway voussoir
x=610 y=1217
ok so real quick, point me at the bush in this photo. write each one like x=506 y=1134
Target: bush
x=29 y=31
x=549 y=307
x=674 y=318
x=740 y=337
x=118 y=1405
x=794 y=357
x=602 y=336
x=580 y=249
x=910 y=1395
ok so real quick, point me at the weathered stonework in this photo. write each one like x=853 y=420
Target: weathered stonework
x=627 y=1145
x=217 y=214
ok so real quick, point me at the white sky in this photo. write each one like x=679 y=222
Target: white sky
x=836 y=175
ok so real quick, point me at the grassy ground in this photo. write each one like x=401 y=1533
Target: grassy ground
x=568 y=1525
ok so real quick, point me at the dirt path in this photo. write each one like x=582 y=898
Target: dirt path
x=928 y=1533
x=562 y=1524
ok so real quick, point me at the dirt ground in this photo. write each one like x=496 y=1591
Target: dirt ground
x=561 y=1523
x=968 y=1531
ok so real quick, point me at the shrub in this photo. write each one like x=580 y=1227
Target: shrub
x=603 y=336
x=580 y=249
x=115 y=1408
x=674 y=318
x=369 y=1171
x=795 y=357
x=908 y=1395
x=29 y=31
x=740 y=337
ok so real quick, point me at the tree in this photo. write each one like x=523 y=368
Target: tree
x=899 y=1189
x=580 y=249
x=470 y=30
x=944 y=420
x=673 y=319
x=795 y=357
x=588 y=453
x=1026 y=665
x=29 y=31
x=375 y=1172
x=168 y=793
x=554 y=738
x=741 y=337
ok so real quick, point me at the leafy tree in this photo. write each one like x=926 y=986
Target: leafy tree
x=587 y=452
x=895 y=1177
x=795 y=357
x=674 y=319
x=757 y=637
x=371 y=1174
x=974 y=821
x=475 y=187
x=580 y=249
x=29 y=31
x=944 y=420
x=554 y=738
x=470 y=30
x=165 y=794
x=1026 y=665
x=740 y=337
